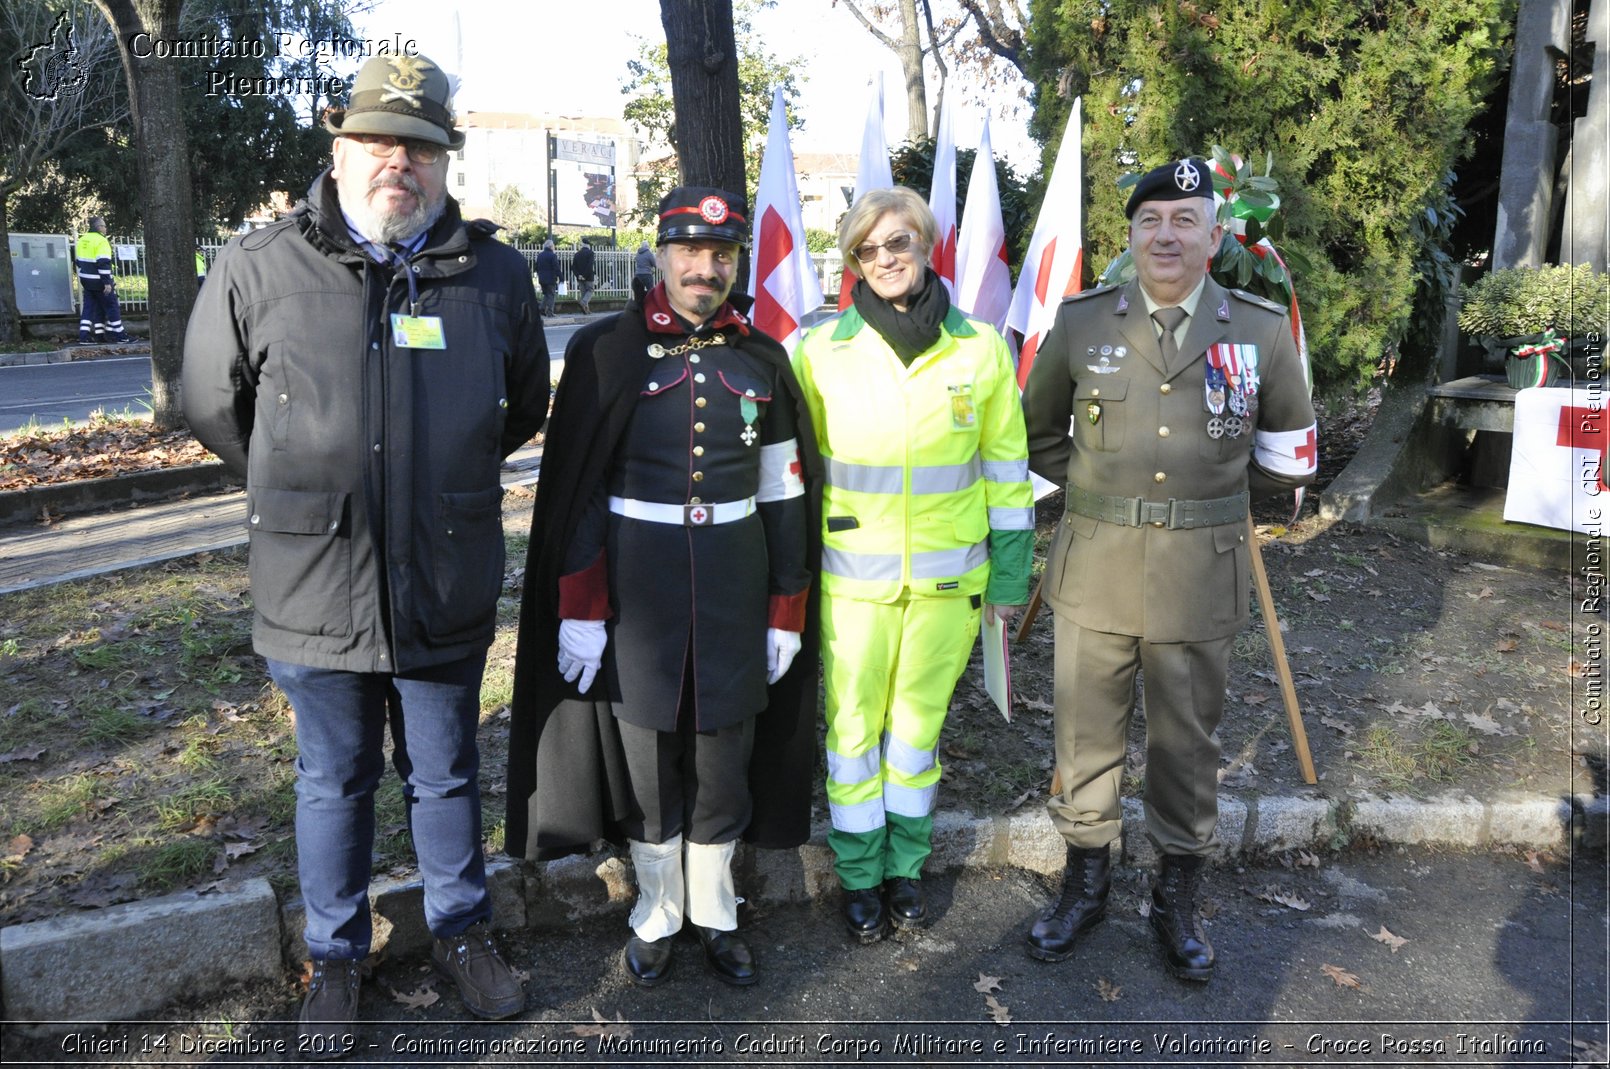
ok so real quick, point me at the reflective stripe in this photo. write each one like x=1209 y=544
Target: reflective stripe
x=865 y=478
x=906 y=759
x=863 y=816
x=1004 y=519
x=940 y=563
x=780 y=472
x=946 y=478
x=852 y=770
x=1007 y=471
x=860 y=565
x=908 y=801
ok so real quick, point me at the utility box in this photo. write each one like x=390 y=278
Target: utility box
x=42 y=270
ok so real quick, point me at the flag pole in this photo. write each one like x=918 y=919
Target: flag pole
x=1277 y=648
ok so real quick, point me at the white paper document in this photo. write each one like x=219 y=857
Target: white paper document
x=997 y=666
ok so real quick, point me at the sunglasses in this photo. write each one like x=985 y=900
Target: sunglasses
x=383 y=145
x=896 y=245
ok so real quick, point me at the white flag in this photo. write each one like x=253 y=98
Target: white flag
x=873 y=170
x=983 y=281
x=780 y=272
x=1054 y=263
x=942 y=201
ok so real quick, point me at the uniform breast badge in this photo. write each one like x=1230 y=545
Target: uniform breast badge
x=750 y=412
x=1093 y=412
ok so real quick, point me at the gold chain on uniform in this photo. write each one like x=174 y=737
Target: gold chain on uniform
x=693 y=344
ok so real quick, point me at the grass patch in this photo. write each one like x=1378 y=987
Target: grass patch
x=1387 y=754
x=1445 y=749
x=176 y=861
x=194 y=802
x=60 y=802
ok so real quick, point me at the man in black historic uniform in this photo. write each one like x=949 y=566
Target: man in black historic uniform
x=666 y=597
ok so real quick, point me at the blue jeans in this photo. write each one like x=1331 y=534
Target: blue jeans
x=341 y=719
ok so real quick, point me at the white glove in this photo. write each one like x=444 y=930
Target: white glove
x=781 y=646
x=581 y=650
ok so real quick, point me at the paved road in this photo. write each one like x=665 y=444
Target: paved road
x=49 y=393
x=1502 y=965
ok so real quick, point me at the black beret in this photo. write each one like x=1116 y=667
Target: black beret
x=1172 y=181
x=703 y=213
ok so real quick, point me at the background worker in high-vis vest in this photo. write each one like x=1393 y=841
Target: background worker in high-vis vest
x=99 y=319
x=928 y=521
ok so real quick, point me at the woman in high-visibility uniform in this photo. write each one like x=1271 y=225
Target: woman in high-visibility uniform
x=928 y=521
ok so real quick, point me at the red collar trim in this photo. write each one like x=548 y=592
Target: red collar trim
x=660 y=319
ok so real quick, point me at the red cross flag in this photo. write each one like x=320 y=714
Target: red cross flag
x=780 y=272
x=873 y=170
x=1557 y=474
x=983 y=281
x=942 y=202
x=1053 y=267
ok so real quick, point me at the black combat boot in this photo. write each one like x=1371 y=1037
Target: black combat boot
x=863 y=914
x=1082 y=905
x=1176 y=921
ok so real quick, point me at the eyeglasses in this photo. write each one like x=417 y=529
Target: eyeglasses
x=896 y=245
x=383 y=145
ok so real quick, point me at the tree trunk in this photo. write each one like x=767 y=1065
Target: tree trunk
x=702 y=55
x=10 y=320
x=162 y=148
x=910 y=53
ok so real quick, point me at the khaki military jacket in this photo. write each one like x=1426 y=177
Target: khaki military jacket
x=1140 y=430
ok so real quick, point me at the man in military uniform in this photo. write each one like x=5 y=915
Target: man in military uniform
x=666 y=597
x=1183 y=397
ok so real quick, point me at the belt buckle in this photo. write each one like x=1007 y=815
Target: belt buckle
x=1136 y=511
x=1150 y=511
x=698 y=515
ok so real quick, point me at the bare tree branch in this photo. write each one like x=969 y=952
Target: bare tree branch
x=884 y=39
x=997 y=33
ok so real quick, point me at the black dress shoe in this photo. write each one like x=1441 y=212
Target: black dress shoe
x=1081 y=906
x=908 y=905
x=728 y=956
x=647 y=963
x=863 y=914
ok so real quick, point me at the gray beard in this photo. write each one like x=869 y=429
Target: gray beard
x=384 y=228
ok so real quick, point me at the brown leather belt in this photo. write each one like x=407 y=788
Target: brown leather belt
x=1173 y=514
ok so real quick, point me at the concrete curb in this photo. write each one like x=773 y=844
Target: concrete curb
x=128 y=960
x=82 y=495
x=73 y=354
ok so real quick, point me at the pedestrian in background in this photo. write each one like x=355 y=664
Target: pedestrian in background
x=581 y=267
x=928 y=524
x=1183 y=397
x=367 y=363
x=99 y=319
x=642 y=272
x=548 y=276
x=666 y=598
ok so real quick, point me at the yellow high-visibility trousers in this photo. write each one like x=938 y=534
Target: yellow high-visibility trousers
x=889 y=671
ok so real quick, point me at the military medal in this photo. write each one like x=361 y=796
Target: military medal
x=1238 y=402
x=1215 y=428
x=1213 y=389
x=1233 y=426
x=1093 y=412
x=748 y=410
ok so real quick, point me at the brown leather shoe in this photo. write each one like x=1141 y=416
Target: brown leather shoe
x=325 y=1028
x=488 y=986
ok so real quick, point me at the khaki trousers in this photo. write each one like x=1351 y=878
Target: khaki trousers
x=1095 y=693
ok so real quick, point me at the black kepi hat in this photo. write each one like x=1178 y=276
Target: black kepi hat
x=1173 y=181
x=689 y=213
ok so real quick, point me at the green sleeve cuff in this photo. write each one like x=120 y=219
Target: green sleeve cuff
x=1011 y=564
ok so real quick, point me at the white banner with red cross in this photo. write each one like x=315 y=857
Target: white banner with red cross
x=1557 y=470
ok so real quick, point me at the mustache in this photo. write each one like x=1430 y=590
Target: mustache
x=399 y=181
x=701 y=280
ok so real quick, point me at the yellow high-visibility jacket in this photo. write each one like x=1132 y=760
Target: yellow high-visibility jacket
x=93 y=254
x=927 y=466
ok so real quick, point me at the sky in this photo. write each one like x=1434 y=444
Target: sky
x=569 y=58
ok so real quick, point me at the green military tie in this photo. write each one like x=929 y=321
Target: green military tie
x=1168 y=319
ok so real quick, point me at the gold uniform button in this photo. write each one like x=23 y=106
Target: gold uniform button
x=699 y=377
x=1158 y=523
x=698 y=428
x=695 y=501
x=1166 y=388
x=698 y=450
x=698 y=476
x=1162 y=432
x=1159 y=477
x=699 y=402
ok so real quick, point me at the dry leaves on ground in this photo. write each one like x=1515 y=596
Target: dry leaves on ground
x=1342 y=977
x=998 y=1013
x=1108 y=990
x=1396 y=942
x=96 y=450
x=616 y=1029
x=987 y=984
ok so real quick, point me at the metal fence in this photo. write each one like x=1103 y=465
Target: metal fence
x=612 y=267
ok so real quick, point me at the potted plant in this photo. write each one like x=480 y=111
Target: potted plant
x=1529 y=318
